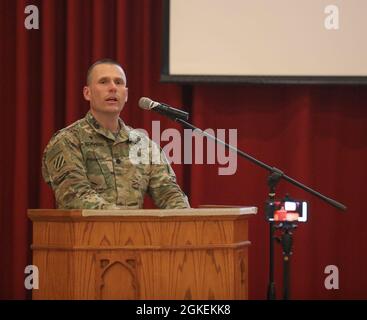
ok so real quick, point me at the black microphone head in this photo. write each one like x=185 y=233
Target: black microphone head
x=146 y=103
x=173 y=113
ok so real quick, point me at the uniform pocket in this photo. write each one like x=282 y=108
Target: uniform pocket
x=106 y=166
x=100 y=172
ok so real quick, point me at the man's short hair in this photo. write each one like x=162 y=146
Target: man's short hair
x=102 y=61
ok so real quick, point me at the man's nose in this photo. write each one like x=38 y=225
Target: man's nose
x=112 y=86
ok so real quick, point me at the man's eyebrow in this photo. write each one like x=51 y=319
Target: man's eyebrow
x=114 y=78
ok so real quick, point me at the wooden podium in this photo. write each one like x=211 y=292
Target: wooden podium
x=141 y=254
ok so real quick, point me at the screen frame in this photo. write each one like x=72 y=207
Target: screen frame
x=166 y=77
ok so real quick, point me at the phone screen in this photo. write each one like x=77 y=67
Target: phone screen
x=287 y=211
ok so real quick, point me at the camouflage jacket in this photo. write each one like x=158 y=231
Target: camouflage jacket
x=88 y=167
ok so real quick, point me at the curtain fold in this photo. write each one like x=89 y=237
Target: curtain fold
x=49 y=88
x=18 y=223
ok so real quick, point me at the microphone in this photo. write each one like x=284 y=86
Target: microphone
x=166 y=110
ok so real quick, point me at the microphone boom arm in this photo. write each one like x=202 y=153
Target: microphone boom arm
x=281 y=174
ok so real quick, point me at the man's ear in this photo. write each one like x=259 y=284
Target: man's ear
x=86 y=93
x=127 y=94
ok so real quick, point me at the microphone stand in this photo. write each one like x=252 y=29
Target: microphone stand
x=274 y=177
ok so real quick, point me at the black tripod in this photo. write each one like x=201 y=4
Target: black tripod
x=286 y=240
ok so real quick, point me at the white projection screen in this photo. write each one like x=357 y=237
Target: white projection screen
x=265 y=41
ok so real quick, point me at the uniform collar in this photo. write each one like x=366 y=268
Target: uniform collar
x=122 y=136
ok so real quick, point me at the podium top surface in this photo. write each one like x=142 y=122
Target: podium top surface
x=214 y=211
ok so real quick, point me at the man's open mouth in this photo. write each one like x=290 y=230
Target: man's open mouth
x=113 y=99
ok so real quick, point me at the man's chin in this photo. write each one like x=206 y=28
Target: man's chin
x=113 y=109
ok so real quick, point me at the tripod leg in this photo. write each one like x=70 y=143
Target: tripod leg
x=287 y=251
x=286 y=273
x=271 y=285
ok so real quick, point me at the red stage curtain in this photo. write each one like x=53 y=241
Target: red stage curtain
x=316 y=134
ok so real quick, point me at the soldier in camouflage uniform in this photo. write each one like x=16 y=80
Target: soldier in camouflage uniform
x=89 y=164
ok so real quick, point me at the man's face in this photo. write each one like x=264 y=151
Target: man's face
x=106 y=91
